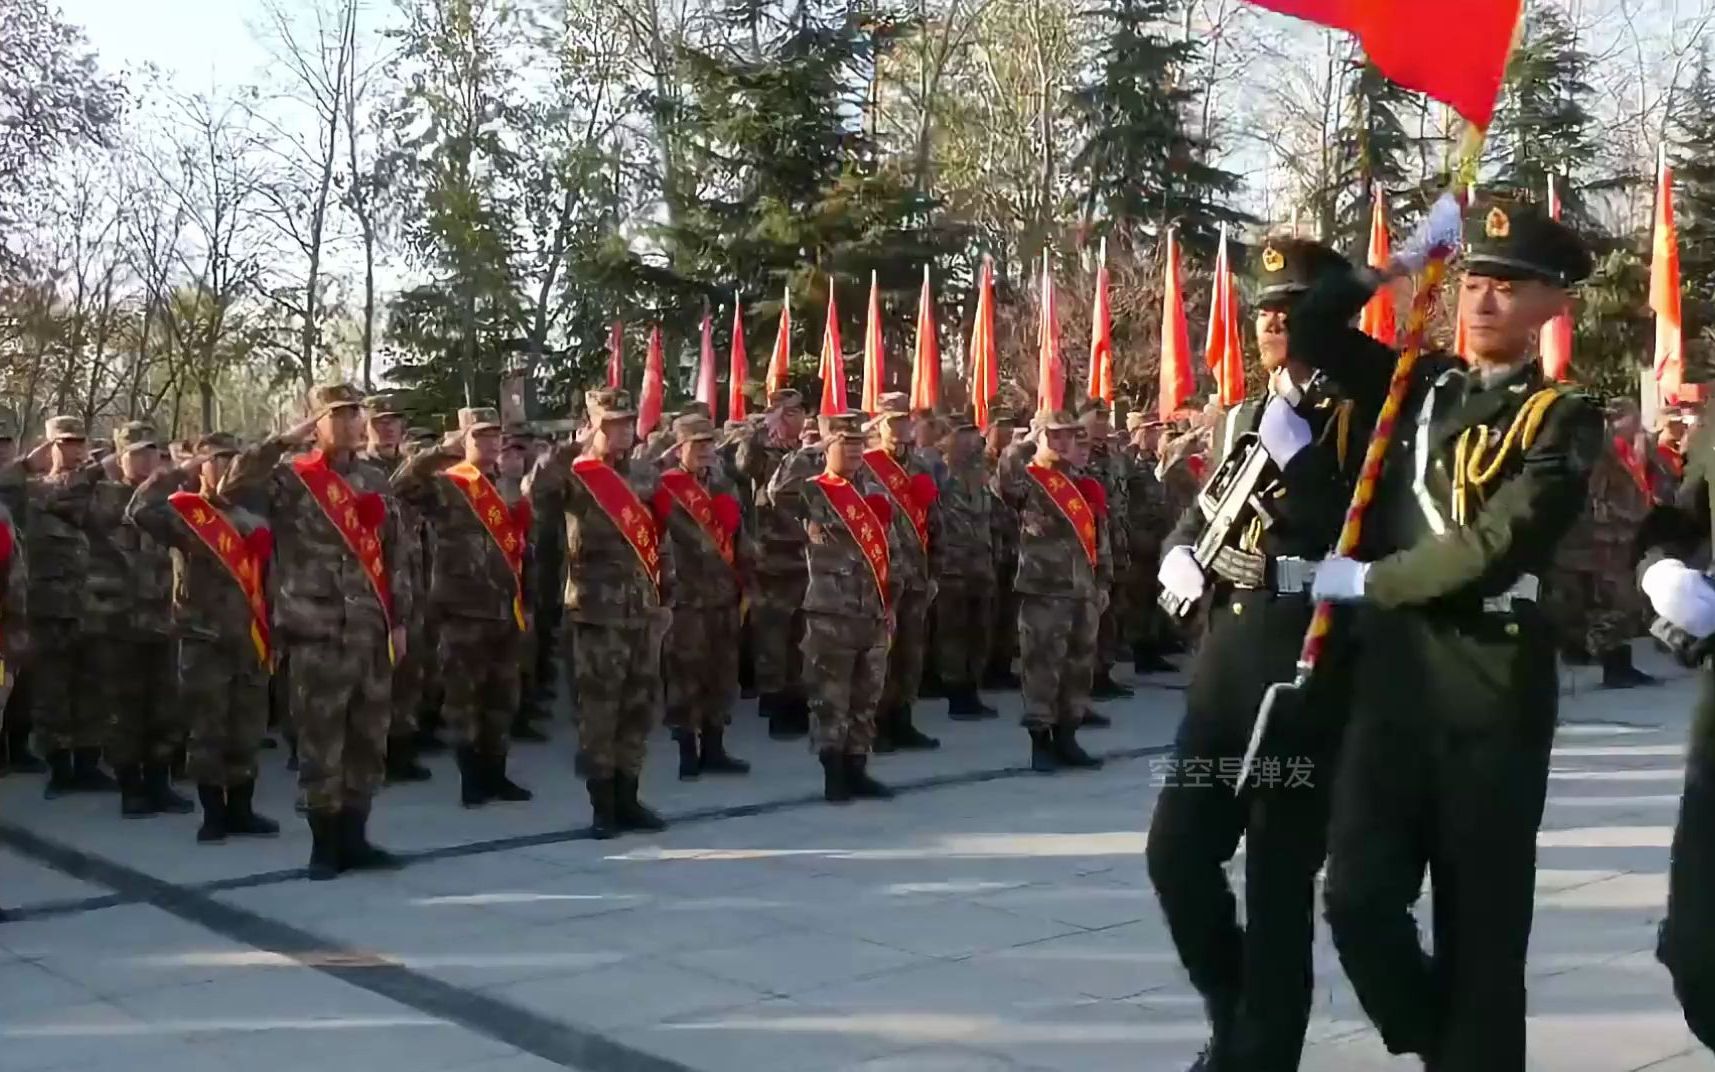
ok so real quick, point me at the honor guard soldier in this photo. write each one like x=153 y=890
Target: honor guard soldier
x=965 y=571
x=343 y=597
x=480 y=591
x=1445 y=763
x=1296 y=453
x=220 y=561
x=776 y=611
x=619 y=589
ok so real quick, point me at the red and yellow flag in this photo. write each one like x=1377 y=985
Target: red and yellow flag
x=1223 y=353
x=781 y=356
x=1664 y=288
x=1050 y=376
x=1379 y=320
x=1176 y=378
x=833 y=367
x=926 y=362
x=874 y=358
x=739 y=374
x=1102 y=335
x=985 y=365
x=1557 y=333
x=706 y=376
x=654 y=386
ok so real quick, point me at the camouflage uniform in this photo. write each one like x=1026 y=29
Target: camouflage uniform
x=964 y=568
x=1147 y=521
x=1107 y=466
x=1003 y=533
x=411 y=668
x=479 y=604
x=776 y=612
x=14 y=599
x=1594 y=595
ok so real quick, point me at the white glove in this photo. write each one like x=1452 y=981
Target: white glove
x=1283 y=432
x=1681 y=595
x=1339 y=580
x=1440 y=229
x=1180 y=574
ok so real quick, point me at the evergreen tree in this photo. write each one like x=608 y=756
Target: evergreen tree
x=1691 y=134
x=1542 y=127
x=1373 y=152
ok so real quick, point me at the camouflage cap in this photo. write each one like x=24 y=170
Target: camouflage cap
x=216 y=444
x=700 y=409
x=892 y=406
x=134 y=435
x=1058 y=421
x=692 y=427
x=383 y=405
x=843 y=425
x=417 y=433
x=609 y=404
x=332 y=396
x=59 y=428
x=785 y=398
x=479 y=419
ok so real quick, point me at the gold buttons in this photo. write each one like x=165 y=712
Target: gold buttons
x=1512 y=629
x=1238 y=608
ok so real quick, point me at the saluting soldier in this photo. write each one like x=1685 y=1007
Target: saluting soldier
x=619 y=589
x=965 y=571
x=1003 y=632
x=220 y=560
x=517 y=455
x=776 y=610
x=481 y=589
x=1256 y=980
x=1445 y=762
x=1107 y=465
x=1148 y=523
x=344 y=596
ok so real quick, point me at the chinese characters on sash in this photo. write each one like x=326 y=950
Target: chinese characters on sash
x=625 y=510
x=861 y=522
x=502 y=526
x=218 y=534
x=339 y=503
x=1071 y=503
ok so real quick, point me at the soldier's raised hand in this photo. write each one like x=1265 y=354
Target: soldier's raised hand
x=303 y=431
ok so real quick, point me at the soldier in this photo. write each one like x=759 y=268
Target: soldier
x=1107 y=466
x=776 y=610
x=128 y=601
x=849 y=545
x=220 y=556
x=1148 y=522
x=734 y=433
x=1667 y=460
x=711 y=551
x=619 y=589
x=909 y=483
x=1063 y=573
x=481 y=588
x=965 y=569
x=1445 y=763
x=345 y=597
x=15 y=754
x=1003 y=634
x=517 y=455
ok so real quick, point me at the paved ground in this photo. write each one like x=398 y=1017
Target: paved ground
x=987 y=921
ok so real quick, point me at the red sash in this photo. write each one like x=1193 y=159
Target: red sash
x=898 y=483
x=220 y=537
x=1671 y=460
x=1071 y=503
x=866 y=529
x=496 y=516
x=1634 y=464
x=625 y=510
x=697 y=501
x=339 y=503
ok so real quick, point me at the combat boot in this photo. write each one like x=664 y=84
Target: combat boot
x=690 y=760
x=524 y=731
x=87 y=775
x=60 y=778
x=798 y=707
x=1094 y=719
x=158 y=784
x=864 y=787
x=473 y=787
x=908 y=736
x=1104 y=687
x=1000 y=678
x=783 y=719
x=1069 y=753
x=499 y=786
x=1145 y=660
x=213 y=829
x=241 y=817
x=632 y=813
x=1042 y=757
x=605 y=822
x=356 y=853
x=324 y=845
x=134 y=799
x=428 y=742
x=715 y=759
x=402 y=765
x=1218 y=1055
x=836 y=789
x=1618 y=671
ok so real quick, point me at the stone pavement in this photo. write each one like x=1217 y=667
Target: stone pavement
x=986 y=921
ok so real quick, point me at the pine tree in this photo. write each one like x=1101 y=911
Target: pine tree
x=1542 y=127
x=1373 y=150
x=1691 y=133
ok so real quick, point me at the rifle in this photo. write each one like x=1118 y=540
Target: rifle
x=1225 y=500
x=1689 y=651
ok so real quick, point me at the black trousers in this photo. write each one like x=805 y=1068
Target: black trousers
x=1686 y=945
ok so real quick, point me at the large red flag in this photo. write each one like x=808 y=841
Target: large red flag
x=1223 y=352
x=616 y=355
x=985 y=369
x=706 y=365
x=775 y=378
x=1664 y=289
x=1557 y=333
x=833 y=366
x=1050 y=377
x=926 y=363
x=1454 y=51
x=654 y=387
x=738 y=376
x=1176 y=380
x=1102 y=336
x=874 y=359
x=1379 y=320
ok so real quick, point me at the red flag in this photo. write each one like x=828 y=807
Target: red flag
x=926 y=364
x=616 y=355
x=1102 y=336
x=1557 y=333
x=833 y=366
x=1223 y=352
x=706 y=364
x=782 y=356
x=739 y=374
x=1664 y=289
x=1379 y=320
x=985 y=368
x=873 y=356
x=1455 y=51
x=654 y=387
x=1176 y=377
x=1050 y=377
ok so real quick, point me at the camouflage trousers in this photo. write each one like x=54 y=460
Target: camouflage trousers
x=617 y=669
x=777 y=629
x=910 y=645
x=701 y=667
x=479 y=659
x=408 y=675
x=1109 y=631
x=845 y=669
x=66 y=714
x=1057 y=642
x=340 y=694
x=1598 y=610
x=224 y=688
x=964 y=624
x=1003 y=634
x=135 y=680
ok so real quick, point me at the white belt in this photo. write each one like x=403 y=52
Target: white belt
x=1524 y=590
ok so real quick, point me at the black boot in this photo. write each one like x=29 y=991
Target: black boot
x=500 y=787
x=523 y=730
x=158 y=783
x=632 y=813
x=134 y=799
x=715 y=759
x=473 y=787
x=862 y=785
x=784 y=723
x=1042 y=758
x=605 y=823
x=1000 y=678
x=690 y=760
x=402 y=765
x=355 y=851
x=835 y=787
x=962 y=704
x=1146 y=660
x=325 y=861
x=87 y=775
x=60 y=778
x=931 y=687
x=907 y=736
x=1069 y=753
x=213 y=830
x=241 y=817
x=884 y=742
x=1618 y=671
x=798 y=709
x=1218 y=1055
x=1094 y=719
x=19 y=758
x=1104 y=687
x=428 y=742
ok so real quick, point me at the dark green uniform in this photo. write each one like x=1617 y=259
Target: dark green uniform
x=1445 y=764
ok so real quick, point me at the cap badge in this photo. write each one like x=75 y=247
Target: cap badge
x=1272 y=259
x=1497 y=225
